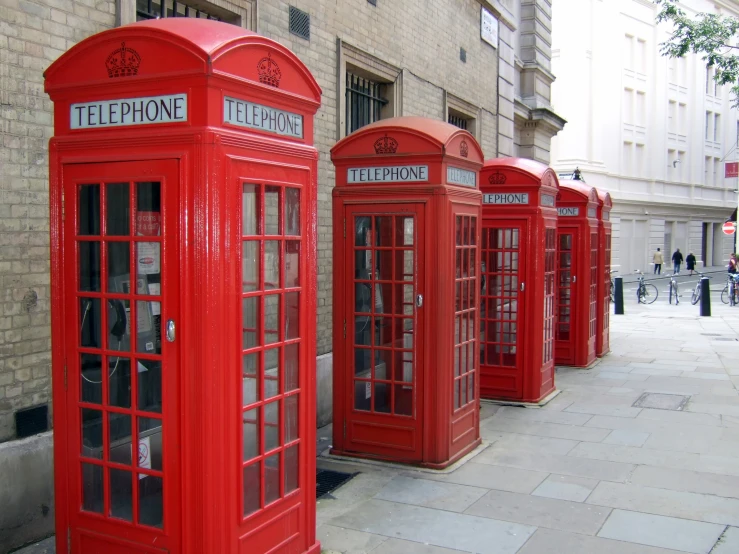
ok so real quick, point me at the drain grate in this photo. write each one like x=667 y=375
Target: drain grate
x=659 y=401
x=328 y=481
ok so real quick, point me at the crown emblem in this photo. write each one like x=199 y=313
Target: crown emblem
x=386 y=145
x=269 y=72
x=123 y=62
x=497 y=178
x=463 y=149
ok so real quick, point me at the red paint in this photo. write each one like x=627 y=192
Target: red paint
x=406 y=259
x=577 y=264
x=602 y=337
x=518 y=259
x=729 y=228
x=173 y=200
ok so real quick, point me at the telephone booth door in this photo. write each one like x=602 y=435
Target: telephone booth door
x=502 y=308
x=566 y=321
x=385 y=261
x=120 y=234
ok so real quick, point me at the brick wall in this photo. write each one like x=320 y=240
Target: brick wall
x=32 y=36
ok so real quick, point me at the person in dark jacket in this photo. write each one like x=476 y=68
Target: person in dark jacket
x=677 y=260
x=690 y=263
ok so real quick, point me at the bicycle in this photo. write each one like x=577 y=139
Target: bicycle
x=612 y=291
x=674 y=292
x=695 y=298
x=646 y=293
x=730 y=294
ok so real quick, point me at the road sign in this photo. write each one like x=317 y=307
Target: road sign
x=729 y=228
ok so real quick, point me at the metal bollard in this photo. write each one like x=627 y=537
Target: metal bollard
x=705 y=297
x=618 y=296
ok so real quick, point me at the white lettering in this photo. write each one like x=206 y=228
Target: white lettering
x=129 y=111
x=568 y=212
x=464 y=177
x=388 y=174
x=255 y=116
x=506 y=198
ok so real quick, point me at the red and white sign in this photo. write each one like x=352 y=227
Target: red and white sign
x=731 y=169
x=729 y=228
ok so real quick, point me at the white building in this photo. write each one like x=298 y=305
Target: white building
x=653 y=131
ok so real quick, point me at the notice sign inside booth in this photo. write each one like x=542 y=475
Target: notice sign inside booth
x=388 y=174
x=568 y=212
x=171 y=108
x=506 y=198
x=264 y=118
x=457 y=176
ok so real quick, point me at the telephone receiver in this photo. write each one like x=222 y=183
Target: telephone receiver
x=119 y=327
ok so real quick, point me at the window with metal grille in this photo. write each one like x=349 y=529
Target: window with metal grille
x=299 y=23
x=458 y=121
x=156 y=9
x=364 y=102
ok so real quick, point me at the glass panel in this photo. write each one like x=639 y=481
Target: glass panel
x=151 y=494
x=148 y=266
x=89 y=265
x=249 y=308
x=251 y=433
x=271 y=264
x=458 y=231
x=119 y=381
x=271 y=210
x=91 y=372
x=121 y=494
x=292 y=211
x=149 y=385
x=362 y=330
x=92 y=433
x=291 y=366
x=119 y=266
x=383 y=364
x=252 y=489
x=148 y=202
x=456 y=386
x=89 y=210
x=382 y=398
x=292 y=315
x=473 y=262
x=272 y=478
x=473 y=231
x=117 y=208
x=292 y=263
x=291 y=469
x=119 y=313
x=363 y=264
x=362 y=229
x=271 y=372
x=250 y=265
x=403 y=400
x=119 y=433
x=403 y=230
x=291 y=418
x=362 y=395
x=383 y=231
x=384 y=265
x=146 y=328
x=249 y=210
x=383 y=296
x=249 y=380
x=271 y=318
x=362 y=297
x=92 y=488
x=271 y=425
x=383 y=332
x=150 y=444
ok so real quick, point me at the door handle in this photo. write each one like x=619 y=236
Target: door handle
x=523 y=286
x=574 y=278
x=170 y=330
x=419 y=300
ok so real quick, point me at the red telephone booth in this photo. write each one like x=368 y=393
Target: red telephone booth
x=578 y=275
x=602 y=342
x=406 y=210
x=183 y=215
x=519 y=240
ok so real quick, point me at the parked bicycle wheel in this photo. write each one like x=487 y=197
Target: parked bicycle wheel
x=696 y=294
x=613 y=292
x=648 y=294
x=674 y=294
x=725 y=295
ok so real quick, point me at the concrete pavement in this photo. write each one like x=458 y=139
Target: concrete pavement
x=638 y=455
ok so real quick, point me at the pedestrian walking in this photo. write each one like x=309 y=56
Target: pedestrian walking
x=690 y=263
x=658 y=260
x=677 y=260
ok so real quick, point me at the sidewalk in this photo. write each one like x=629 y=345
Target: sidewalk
x=589 y=473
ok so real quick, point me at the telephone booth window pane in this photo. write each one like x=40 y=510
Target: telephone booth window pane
x=271 y=373
x=149 y=376
x=121 y=494
x=363 y=327
x=271 y=319
x=117 y=219
x=404 y=231
x=250 y=265
x=252 y=488
x=249 y=388
x=291 y=418
x=150 y=444
x=89 y=210
x=146 y=330
x=291 y=469
x=151 y=508
x=382 y=398
x=271 y=264
x=271 y=478
x=362 y=395
x=92 y=488
x=91 y=378
x=89 y=266
x=363 y=264
x=271 y=210
x=249 y=210
x=292 y=315
x=292 y=263
x=119 y=432
x=403 y=400
x=292 y=211
x=250 y=318
x=119 y=381
x=383 y=361
x=119 y=325
x=383 y=231
x=92 y=433
x=291 y=368
x=363 y=232
x=119 y=266
x=271 y=426
x=251 y=434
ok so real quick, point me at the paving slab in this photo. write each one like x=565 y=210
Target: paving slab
x=492 y=477
x=396 y=546
x=436 y=527
x=537 y=414
x=566 y=487
x=635 y=455
x=431 y=494
x=728 y=543
x=530 y=442
x=555 y=430
x=541 y=512
x=602 y=409
x=549 y=541
x=664 y=532
x=686 y=481
x=347 y=541
x=625 y=437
